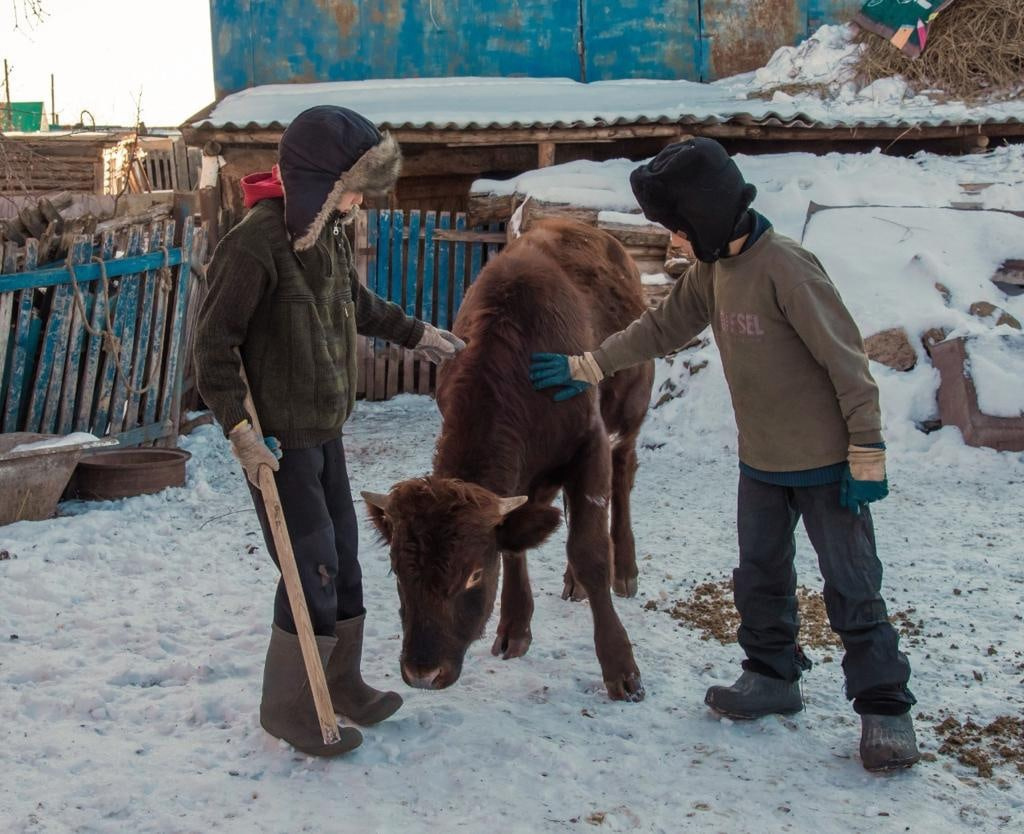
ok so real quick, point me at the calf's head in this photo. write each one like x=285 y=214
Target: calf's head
x=446 y=537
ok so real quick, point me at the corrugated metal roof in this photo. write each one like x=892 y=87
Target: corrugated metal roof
x=460 y=104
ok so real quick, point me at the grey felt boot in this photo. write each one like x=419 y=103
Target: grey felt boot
x=754 y=695
x=287 y=710
x=888 y=742
x=352 y=697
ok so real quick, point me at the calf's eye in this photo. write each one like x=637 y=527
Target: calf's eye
x=475 y=578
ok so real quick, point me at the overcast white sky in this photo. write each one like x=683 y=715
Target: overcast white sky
x=103 y=52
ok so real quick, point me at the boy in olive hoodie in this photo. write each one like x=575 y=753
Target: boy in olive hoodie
x=284 y=295
x=810 y=440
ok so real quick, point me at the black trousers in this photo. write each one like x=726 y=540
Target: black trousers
x=765 y=591
x=317 y=503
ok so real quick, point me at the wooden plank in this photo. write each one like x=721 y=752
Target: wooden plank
x=149 y=283
x=428 y=284
x=24 y=349
x=472 y=236
x=91 y=362
x=21 y=309
x=413 y=303
x=129 y=295
x=370 y=278
x=42 y=406
x=118 y=304
x=81 y=252
x=395 y=285
x=476 y=262
x=193 y=244
x=444 y=221
x=459 y=270
x=380 y=357
x=359 y=254
x=175 y=365
x=157 y=358
x=6 y=328
x=56 y=276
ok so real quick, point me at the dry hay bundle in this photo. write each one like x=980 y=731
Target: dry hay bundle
x=975 y=50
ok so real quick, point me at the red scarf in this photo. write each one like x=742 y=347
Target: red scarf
x=263 y=185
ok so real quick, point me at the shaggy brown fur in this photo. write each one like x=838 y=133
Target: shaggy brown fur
x=563 y=287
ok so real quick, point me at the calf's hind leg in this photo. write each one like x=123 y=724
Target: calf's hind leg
x=589 y=557
x=514 y=635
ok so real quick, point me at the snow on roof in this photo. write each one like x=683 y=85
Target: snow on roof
x=468 y=103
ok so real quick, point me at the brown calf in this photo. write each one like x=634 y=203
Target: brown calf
x=506 y=450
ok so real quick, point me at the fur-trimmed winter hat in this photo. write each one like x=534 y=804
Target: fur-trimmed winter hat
x=324 y=152
x=694 y=187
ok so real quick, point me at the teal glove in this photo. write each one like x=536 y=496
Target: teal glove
x=864 y=480
x=274 y=445
x=572 y=375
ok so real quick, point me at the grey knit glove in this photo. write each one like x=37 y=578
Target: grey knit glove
x=436 y=345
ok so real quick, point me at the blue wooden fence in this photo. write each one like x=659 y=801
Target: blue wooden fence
x=97 y=344
x=425 y=262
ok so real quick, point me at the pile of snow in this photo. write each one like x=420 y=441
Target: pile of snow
x=603 y=186
x=826 y=58
x=997 y=370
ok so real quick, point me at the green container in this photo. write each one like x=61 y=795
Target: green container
x=23 y=116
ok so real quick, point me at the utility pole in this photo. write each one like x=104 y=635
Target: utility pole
x=53 y=102
x=6 y=120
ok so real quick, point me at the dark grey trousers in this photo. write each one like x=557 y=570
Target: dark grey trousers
x=317 y=503
x=765 y=590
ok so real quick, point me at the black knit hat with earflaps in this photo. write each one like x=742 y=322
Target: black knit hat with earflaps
x=694 y=187
x=326 y=151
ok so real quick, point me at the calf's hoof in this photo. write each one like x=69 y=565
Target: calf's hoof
x=509 y=647
x=572 y=590
x=626 y=587
x=626 y=688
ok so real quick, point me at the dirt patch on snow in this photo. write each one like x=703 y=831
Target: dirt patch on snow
x=711 y=610
x=983 y=747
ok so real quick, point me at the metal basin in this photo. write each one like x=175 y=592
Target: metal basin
x=32 y=480
x=122 y=473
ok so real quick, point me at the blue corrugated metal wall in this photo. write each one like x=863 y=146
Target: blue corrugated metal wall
x=282 y=41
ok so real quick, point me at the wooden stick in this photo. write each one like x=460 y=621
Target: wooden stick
x=293 y=585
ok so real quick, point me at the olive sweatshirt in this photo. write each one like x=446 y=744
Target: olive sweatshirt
x=792 y=354
x=294 y=317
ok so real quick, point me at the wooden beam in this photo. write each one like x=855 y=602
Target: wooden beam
x=545 y=154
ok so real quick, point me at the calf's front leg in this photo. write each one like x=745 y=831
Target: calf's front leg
x=514 y=635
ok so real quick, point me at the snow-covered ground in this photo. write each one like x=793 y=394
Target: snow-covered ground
x=132 y=633
x=130 y=695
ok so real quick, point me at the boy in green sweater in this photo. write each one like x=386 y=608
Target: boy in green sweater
x=810 y=440
x=285 y=297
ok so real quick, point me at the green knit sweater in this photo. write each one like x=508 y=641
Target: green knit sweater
x=294 y=317
x=792 y=354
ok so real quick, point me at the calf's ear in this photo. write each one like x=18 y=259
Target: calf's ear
x=527 y=527
x=377 y=504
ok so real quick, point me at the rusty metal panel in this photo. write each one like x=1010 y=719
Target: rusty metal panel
x=289 y=41
x=820 y=12
x=641 y=39
x=741 y=35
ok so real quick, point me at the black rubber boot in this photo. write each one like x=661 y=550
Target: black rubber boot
x=351 y=696
x=754 y=695
x=287 y=710
x=888 y=742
